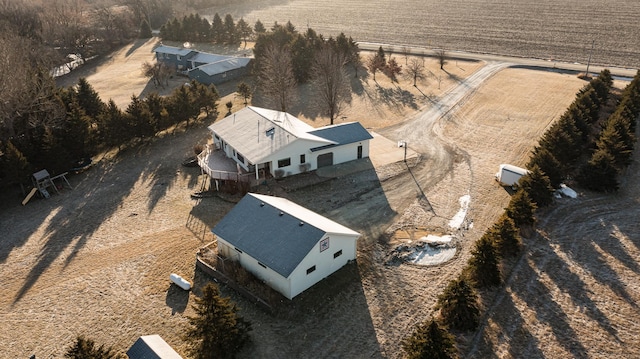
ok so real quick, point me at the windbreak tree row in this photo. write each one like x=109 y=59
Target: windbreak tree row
x=80 y=125
x=586 y=142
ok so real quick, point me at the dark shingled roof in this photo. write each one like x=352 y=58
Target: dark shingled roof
x=342 y=134
x=274 y=231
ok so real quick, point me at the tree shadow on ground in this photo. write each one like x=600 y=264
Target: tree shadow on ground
x=396 y=97
x=538 y=298
x=137 y=44
x=511 y=330
x=97 y=195
x=177 y=299
x=330 y=319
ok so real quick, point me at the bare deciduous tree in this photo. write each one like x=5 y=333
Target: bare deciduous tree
x=159 y=73
x=375 y=64
x=276 y=79
x=393 y=69
x=415 y=71
x=330 y=81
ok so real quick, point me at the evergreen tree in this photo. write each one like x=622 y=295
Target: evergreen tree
x=145 y=30
x=483 y=264
x=429 y=341
x=204 y=98
x=618 y=139
x=521 y=209
x=180 y=105
x=74 y=134
x=605 y=77
x=84 y=348
x=505 y=237
x=217 y=30
x=259 y=28
x=382 y=57
x=562 y=141
x=600 y=173
x=548 y=164
x=156 y=105
x=216 y=331
x=139 y=118
x=458 y=305
x=16 y=167
x=54 y=154
x=231 y=35
x=244 y=30
x=88 y=99
x=114 y=128
x=537 y=185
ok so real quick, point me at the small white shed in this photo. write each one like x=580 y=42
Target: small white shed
x=509 y=175
x=284 y=244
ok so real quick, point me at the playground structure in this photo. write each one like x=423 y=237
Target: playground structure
x=43 y=180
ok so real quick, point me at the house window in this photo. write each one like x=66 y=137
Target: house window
x=284 y=163
x=179 y=57
x=239 y=157
x=239 y=251
x=262 y=265
x=303 y=158
x=310 y=270
x=337 y=254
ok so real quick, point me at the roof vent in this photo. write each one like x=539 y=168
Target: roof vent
x=262 y=204
x=281 y=214
x=301 y=224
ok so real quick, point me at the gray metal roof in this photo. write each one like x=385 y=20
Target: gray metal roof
x=257 y=132
x=342 y=134
x=207 y=58
x=173 y=50
x=224 y=65
x=152 y=347
x=275 y=231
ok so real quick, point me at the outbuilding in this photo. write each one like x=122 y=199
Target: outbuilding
x=152 y=347
x=289 y=247
x=225 y=69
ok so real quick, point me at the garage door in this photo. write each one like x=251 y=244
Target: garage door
x=325 y=160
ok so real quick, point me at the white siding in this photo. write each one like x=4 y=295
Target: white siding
x=342 y=154
x=293 y=151
x=324 y=262
x=273 y=279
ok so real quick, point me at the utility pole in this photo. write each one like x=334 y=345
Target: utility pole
x=590 y=53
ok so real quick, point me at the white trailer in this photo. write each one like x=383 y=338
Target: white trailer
x=509 y=175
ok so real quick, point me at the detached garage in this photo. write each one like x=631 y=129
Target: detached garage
x=284 y=244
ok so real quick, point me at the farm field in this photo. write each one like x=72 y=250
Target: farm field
x=546 y=29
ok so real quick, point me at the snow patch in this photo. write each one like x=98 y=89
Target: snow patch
x=458 y=219
x=429 y=250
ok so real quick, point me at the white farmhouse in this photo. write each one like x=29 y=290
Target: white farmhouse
x=286 y=245
x=266 y=143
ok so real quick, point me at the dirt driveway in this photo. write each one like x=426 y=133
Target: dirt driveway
x=95 y=260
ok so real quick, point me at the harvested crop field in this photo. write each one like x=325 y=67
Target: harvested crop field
x=95 y=260
x=544 y=29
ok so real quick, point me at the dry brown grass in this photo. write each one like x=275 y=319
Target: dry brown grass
x=96 y=260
